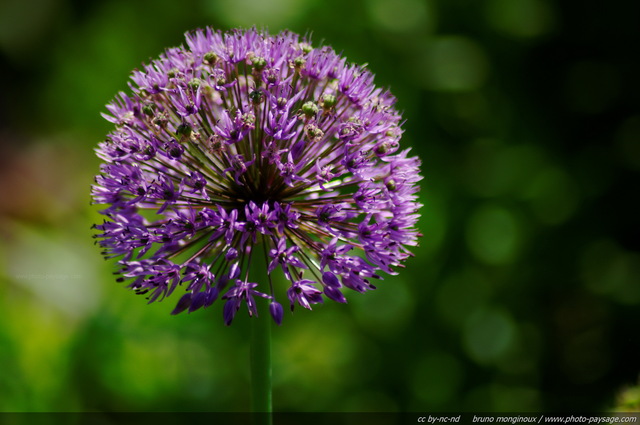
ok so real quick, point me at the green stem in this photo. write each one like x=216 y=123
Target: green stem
x=260 y=352
x=261 y=360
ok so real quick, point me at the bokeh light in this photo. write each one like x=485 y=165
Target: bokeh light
x=453 y=63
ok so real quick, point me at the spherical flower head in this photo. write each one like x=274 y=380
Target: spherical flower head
x=246 y=142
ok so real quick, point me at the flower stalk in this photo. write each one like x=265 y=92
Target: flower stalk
x=260 y=349
x=260 y=353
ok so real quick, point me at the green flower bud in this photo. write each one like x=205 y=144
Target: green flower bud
x=161 y=119
x=391 y=184
x=271 y=76
x=214 y=144
x=328 y=101
x=299 y=62
x=210 y=58
x=313 y=132
x=258 y=63
x=256 y=96
x=248 y=120
x=381 y=149
x=305 y=47
x=310 y=109
x=281 y=102
x=148 y=109
x=184 y=129
x=221 y=81
x=195 y=83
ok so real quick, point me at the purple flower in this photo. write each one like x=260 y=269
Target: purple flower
x=304 y=293
x=245 y=141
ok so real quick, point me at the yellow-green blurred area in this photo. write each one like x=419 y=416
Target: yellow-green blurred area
x=524 y=294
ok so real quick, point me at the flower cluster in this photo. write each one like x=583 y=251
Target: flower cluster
x=246 y=142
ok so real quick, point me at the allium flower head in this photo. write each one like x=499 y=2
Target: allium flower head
x=244 y=141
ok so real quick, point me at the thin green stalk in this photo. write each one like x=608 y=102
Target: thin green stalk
x=261 y=361
x=260 y=352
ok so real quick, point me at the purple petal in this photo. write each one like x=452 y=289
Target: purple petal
x=276 y=312
x=183 y=304
x=334 y=294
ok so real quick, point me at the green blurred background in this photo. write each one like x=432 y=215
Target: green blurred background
x=524 y=294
